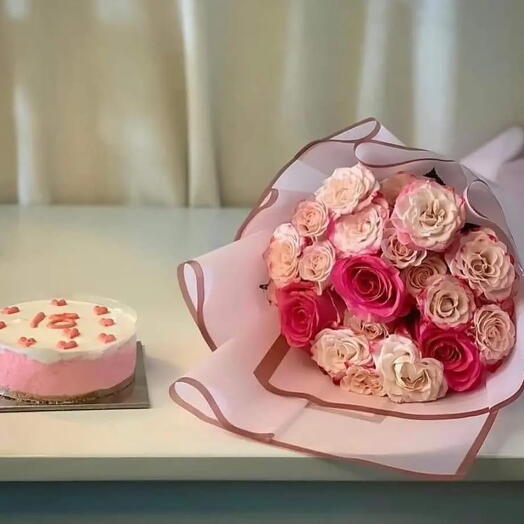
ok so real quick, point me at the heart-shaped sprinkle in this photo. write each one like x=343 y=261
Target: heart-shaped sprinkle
x=100 y=310
x=107 y=322
x=66 y=344
x=37 y=319
x=104 y=337
x=2 y=324
x=26 y=342
x=59 y=302
x=11 y=310
x=71 y=332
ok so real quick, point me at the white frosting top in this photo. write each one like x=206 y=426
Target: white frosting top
x=88 y=342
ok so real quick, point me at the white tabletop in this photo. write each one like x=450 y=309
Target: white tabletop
x=131 y=254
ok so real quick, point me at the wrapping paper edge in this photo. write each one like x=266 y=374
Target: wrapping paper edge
x=268 y=438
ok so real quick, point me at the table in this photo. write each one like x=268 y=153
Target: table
x=131 y=254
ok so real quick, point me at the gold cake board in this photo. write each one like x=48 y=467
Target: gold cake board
x=133 y=396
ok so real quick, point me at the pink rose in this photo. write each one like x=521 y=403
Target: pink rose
x=494 y=333
x=447 y=302
x=316 y=263
x=282 y=254
x=482 y=260
x=360 y=232
x=311 y=218
x=303 y=313
x=392 y=185
x=457 y=352
x=371 y=288
x=348 y=189
x=427 y=215
x=399 y=254
x=417 y=277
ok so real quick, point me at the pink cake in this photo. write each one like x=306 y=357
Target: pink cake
x=63 y=351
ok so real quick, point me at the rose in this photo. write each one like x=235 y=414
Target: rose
x=447 y=302
x=371 y=330
x=371 y=288
x=303 y=313
x=399 y=254
x=392 y=185
x=427 y=215
x=316 y=262
x=457 y=352
x=481 y=259
x=348 y=189
x=416 y=277
x=406 y=376
x=361 y=380
x=335 y=349
x=311 y=218
x=282 y=254
x=494 y=333
x=360 y=232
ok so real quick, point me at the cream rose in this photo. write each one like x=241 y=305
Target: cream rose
x=316 y=262
x=362 y=231
x=494 y=333
x=427 y=215
x=416 y=277
x=371 y=330
x=407 y=377
x=399 y=254
x=447 y=302
x=335 y=349
x=392 y=185
x=282 y=255
x=348 y=189
x=482 y=260
x=364 y=381
x=311 y=218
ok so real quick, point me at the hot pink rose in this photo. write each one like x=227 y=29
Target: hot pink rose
x=371 y=288
x=457 y=352
x=303 y=313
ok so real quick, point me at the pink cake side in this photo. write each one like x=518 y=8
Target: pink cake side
x=75 y=377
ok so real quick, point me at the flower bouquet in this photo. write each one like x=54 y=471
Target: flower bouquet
x=373 y=291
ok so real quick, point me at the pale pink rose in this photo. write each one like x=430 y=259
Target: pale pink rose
x=311 y=218
x=336 y=349
x=316 y=262
x=282 y=254
x=364 y=381
x=370 y=287
x=427 y=215
x=362 y=231
x=482 y=260
x=399 y=254
x=406 y=376
x=371 y=330
x=447 y=302
x=416 y=277
x=348 y=189
x=494 y=333
x=391 y=186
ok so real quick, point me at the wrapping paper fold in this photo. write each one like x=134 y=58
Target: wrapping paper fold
x=256 y=386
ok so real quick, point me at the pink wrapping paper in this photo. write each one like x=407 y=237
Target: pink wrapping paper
x=256 y=386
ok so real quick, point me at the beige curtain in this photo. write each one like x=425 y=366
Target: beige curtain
x=199 y=102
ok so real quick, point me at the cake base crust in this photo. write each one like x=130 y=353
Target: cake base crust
x=87 y=398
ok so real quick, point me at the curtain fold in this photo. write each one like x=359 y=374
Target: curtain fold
x=199 y=102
